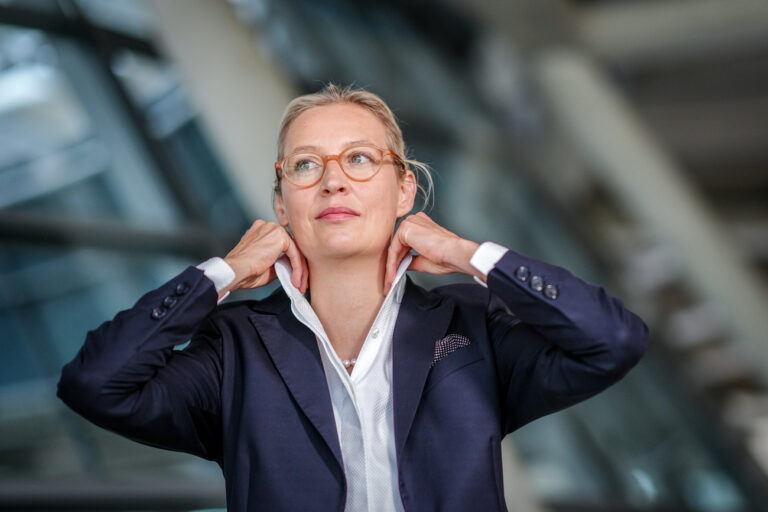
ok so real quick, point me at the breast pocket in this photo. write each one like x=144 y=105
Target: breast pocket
x=454 y=361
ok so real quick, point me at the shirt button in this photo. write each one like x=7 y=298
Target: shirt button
x=375 y=332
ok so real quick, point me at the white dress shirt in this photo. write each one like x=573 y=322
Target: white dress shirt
x=362 y=401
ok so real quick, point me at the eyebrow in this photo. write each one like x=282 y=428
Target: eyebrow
x=346 y=145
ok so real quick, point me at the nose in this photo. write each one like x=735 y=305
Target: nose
x=334 y=178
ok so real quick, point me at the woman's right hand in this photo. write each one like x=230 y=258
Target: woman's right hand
x=253 y=257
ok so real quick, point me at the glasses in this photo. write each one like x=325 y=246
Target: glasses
x=360 y=163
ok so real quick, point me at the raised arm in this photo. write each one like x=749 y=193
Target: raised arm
x=558 y=340
x=127 y=378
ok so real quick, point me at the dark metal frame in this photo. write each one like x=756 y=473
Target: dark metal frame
x=195 y=240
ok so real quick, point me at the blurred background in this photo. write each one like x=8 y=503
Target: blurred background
x=624 y=140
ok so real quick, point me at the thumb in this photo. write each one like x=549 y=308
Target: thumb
x=423 y=264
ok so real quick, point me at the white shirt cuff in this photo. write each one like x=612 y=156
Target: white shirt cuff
x=485 y=258
x=218 y=271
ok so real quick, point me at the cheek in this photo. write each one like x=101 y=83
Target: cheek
x=387 y=194
x=386 y=211
x=295 y=207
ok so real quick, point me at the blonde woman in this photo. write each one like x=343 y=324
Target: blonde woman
x=350 y=387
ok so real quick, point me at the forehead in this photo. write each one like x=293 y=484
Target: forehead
x=330 y=127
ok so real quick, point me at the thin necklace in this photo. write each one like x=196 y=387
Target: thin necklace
x=346 y=362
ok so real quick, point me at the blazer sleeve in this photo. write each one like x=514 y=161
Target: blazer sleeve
x=127 y=377
x=554 y=350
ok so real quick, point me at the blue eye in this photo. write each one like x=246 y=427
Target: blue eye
x=304 y=165
x=360 y=158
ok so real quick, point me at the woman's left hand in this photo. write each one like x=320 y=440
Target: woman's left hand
x=440 y=251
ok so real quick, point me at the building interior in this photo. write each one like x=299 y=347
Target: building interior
x=626 y=140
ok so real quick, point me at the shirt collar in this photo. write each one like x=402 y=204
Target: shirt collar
x=283 y=270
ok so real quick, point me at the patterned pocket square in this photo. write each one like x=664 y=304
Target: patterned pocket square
x=447 y=345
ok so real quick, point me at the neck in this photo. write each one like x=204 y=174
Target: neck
x=346 y=294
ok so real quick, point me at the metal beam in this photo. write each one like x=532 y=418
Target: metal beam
x=239 y=92
x=62 y=25
x=652 y=33
x=626 y=158
x=193 y=242
x=99 y=70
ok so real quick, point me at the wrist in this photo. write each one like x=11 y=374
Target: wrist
x=224 y=292
x=466 y=248
x=221 y=273
x=485 y=258
x=237 y=272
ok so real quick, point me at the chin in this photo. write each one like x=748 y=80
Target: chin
x=337 y=249
x=340 y=251
x=345 y=244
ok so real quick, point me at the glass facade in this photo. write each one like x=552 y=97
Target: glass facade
x=107 y=189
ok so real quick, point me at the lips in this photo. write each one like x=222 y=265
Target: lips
x=337 y=212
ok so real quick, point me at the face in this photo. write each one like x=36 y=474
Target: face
x=378 y=202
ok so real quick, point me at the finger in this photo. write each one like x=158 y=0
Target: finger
x=260 y=280
x=398 y=260
x=304 y=277
x=421 y=263
x=296 y=267
x=256 y=224
x=305 y=274
x=391 y=253
x=396 y=247
x=417 y=263
x=389 y=275
x=291 y=255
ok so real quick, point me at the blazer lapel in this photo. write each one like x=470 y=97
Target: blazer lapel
x=422 y=320
x=293 y=348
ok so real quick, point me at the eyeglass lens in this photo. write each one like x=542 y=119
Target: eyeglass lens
x=358 y=162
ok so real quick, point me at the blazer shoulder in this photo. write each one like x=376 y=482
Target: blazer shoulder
x=466 y=294
x=475 y=297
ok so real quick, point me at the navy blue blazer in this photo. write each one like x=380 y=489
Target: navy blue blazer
x=249 y=390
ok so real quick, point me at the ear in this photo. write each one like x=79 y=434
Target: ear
x=282 y=215
x=407 y=193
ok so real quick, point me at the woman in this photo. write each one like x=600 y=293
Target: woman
x=350 y=387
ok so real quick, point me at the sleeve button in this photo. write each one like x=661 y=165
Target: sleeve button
x=522 y=273
x=537 y=283
x=158 y=312
x=170 y=301
x=550 y=291
x=182 y=288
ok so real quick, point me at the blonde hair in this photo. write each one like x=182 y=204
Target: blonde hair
x=333 y=94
